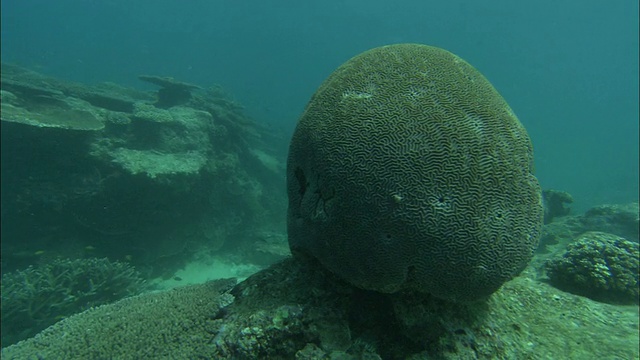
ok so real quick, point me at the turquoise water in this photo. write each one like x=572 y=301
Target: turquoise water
x=113 y=188
x=569 y=69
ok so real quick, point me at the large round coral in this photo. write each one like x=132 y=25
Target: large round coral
x=600 y=266
x=407 y=169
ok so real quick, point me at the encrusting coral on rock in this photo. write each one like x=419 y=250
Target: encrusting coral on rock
x=296 y=309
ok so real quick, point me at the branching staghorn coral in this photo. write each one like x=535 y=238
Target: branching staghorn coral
x=37 y=297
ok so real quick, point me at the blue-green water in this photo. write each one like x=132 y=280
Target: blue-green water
x=112 y=187
x=569 y=69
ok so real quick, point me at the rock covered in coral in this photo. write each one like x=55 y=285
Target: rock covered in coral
x=555 y=204
x=558 y=232
x=616 y=219
x=297 y=310
x=108 y=96
x=600 y=266
x=148 y=112
x=172 y=92
x=162 y=142
x=49 y=111
x=619 y=219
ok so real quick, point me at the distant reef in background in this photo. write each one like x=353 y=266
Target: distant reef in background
x=150 y=178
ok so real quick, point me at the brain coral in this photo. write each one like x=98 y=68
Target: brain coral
x=407 y=169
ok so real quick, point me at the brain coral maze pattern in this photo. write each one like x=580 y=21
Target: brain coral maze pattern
x=407 y=169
